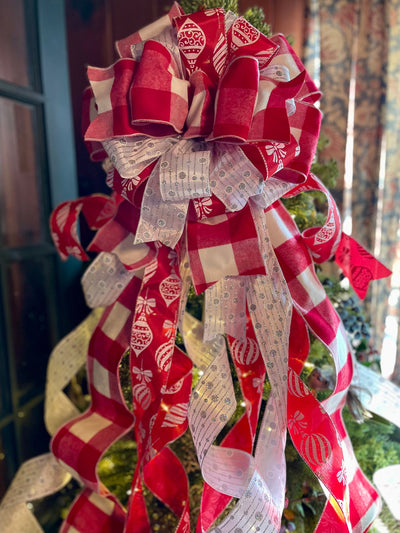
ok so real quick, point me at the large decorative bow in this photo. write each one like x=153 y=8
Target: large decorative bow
x=207 y=123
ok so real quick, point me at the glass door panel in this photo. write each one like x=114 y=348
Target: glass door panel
x=32 y=322
x=19 y=184
x=13 y=45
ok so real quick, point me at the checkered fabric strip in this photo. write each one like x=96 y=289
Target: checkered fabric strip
x=322 y=319
x=305 y=122
x=139 y=98
x=148 y=32
x=80 y=443
x=200 y=116
x=64 y=231
x=235 y=101
x=157 y=93
x=89 y=113
x=297 y=266
x=305 y=126
x=364 y=502
x=225 y=245
x=118 y=236
x=111 y=91
x=94 y=513
x=271 y=122
x=97 y=209
x=286 y=55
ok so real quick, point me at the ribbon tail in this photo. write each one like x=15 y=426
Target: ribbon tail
x=358 y=265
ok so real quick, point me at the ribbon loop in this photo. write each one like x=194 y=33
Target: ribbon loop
x=184 y=172
x=157 y=93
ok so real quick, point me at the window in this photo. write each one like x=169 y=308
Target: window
x=37 y=171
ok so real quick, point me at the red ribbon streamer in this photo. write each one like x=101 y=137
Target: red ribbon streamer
x=358 y=265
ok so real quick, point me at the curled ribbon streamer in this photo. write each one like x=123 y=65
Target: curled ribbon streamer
x=225 y=309
x=271 y=465
x=321 y=241
x=387 y=481
x=42 y=475
x=80 y=443
x=66 y=359
x=377 y=394
x=37 y=478
x=98 y=209
x=104 y=280
x=250 y=369
x=160 y=399
x=311 y=301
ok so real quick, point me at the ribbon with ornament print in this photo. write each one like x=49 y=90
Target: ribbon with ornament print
x=312 y=303
x=206 y=124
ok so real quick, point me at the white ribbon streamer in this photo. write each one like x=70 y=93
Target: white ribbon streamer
x=37 y=478
x=184 y=172
x=387 y=481
x=159 y=220
x=131 y=155
x=377 y=394
x=233 y=178
x=105 y=280
x=68 y=356
x=201 y=353
x=272 y=191
x=225 y=309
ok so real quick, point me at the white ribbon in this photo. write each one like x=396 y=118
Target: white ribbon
x=258 y=481
x=225 y=309
x=104 y=280
x=41 y=476
x=37 y=478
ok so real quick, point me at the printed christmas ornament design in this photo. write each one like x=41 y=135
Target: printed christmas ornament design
x=246 y=352
x=191 y=41
x=316 y=448
x=141 y=336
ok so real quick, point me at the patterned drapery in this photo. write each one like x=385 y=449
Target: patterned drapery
x=354 y=47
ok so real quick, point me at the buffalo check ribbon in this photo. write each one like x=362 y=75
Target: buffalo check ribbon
x=205 y=124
